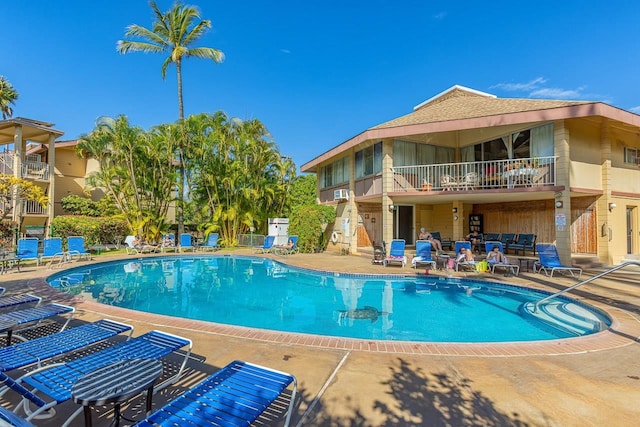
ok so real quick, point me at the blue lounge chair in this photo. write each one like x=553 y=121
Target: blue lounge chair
x=28 y=249
x=396 y=253
x=515 y=269
x=524 y=242
x=12 y=419
x=186 y=242
x=211 y=243
x=507 y=239
x=75 y=247
x=18 y=302
x=550 y=261
x=54 y=383
x=463 y=263
x=266 y=247
x=52 y=249
x=20 y=320
x=236 y=395
x=39 y=350
x=423 y=255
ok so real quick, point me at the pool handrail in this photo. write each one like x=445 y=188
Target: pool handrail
x=591 y=279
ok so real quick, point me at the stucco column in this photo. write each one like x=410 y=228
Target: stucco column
x=605 y=218
x=387 y=186
x=353 y=206
x=17 y=172
x=562 y=218
x=52 y=183
x=458 y=224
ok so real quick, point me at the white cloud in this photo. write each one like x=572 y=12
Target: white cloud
x=440 y=16
x=557 y=93
x=537 y=88
x=285 y=51
x=520 y=87
x=635 y=109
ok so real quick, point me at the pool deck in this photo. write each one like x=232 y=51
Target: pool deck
x=590 y=381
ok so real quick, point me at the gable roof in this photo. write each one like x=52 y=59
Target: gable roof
x=458 y=103
x=460 y=108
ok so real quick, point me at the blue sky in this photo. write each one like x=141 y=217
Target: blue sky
x=316 y=73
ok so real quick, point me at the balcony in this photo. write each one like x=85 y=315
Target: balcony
x=488 y=175
x=31 y=169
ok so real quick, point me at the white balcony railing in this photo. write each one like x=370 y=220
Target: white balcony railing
x=35 y=170
x=495 y=174
x=30 y=207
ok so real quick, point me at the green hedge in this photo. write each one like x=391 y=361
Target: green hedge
x=95 y=230
x=307 y=223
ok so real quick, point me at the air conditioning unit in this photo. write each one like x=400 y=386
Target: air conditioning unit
x=341 y=194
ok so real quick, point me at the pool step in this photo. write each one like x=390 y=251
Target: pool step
x=567 y=317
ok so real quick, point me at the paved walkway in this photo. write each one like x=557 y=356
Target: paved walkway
x=590 y=381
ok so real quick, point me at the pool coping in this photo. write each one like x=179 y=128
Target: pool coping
x=624 y=330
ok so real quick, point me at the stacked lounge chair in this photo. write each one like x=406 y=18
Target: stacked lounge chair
x=54 y=383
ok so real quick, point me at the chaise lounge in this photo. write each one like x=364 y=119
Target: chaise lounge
x=236 y=395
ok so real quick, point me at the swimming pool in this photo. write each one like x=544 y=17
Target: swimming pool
x=262 y=293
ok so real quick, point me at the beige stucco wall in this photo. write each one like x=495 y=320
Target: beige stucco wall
x=625 y=180
x=584 y=145
x=585 y=175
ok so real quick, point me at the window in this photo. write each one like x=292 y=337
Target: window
x=335 y=173
x=369 y=160
x=632 y=156
x=534 y=142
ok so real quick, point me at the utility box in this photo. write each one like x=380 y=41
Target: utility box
x=279 y=227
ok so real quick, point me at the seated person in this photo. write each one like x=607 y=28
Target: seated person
x=496 y=257
x=137 y=243
x=425 y=235
x=465 y=255
x=167 y=241
x=289 y=245
x=475 y=238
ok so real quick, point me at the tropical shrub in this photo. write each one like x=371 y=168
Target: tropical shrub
x=95 y=230
x=308 y=223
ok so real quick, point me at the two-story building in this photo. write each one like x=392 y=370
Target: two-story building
x=566 y=171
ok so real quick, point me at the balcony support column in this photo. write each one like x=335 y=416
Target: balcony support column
x=52 y=183
x=562 y=219
x=18 y=144
x=387 y=186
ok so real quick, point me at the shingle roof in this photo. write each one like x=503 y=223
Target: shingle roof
x=459 y=103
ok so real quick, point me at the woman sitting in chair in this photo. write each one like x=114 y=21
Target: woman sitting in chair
x=425 y=235
x=465 y=255
x=496 y=257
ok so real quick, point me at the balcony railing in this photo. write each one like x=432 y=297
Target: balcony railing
x=495 y=174
x=31 y=169
x=30 y=207
x=35 y=170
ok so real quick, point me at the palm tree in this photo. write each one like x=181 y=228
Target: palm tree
x=8 y=96
x=174 y=33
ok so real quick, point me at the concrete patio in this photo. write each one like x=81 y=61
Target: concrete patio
x=591 y=381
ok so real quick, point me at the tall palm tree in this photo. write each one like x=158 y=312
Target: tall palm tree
x=8 y=96
x=174 y=33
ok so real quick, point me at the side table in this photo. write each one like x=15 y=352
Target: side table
x=116 y=383
x=528 y=263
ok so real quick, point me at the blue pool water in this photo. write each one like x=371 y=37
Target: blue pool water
x=262 y=293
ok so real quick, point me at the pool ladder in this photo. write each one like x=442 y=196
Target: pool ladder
x=591 y=279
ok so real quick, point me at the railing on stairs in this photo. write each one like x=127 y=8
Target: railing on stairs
x=589 y=280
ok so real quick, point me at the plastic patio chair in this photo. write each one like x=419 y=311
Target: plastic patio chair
x=211 y=243
x=396 y=253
